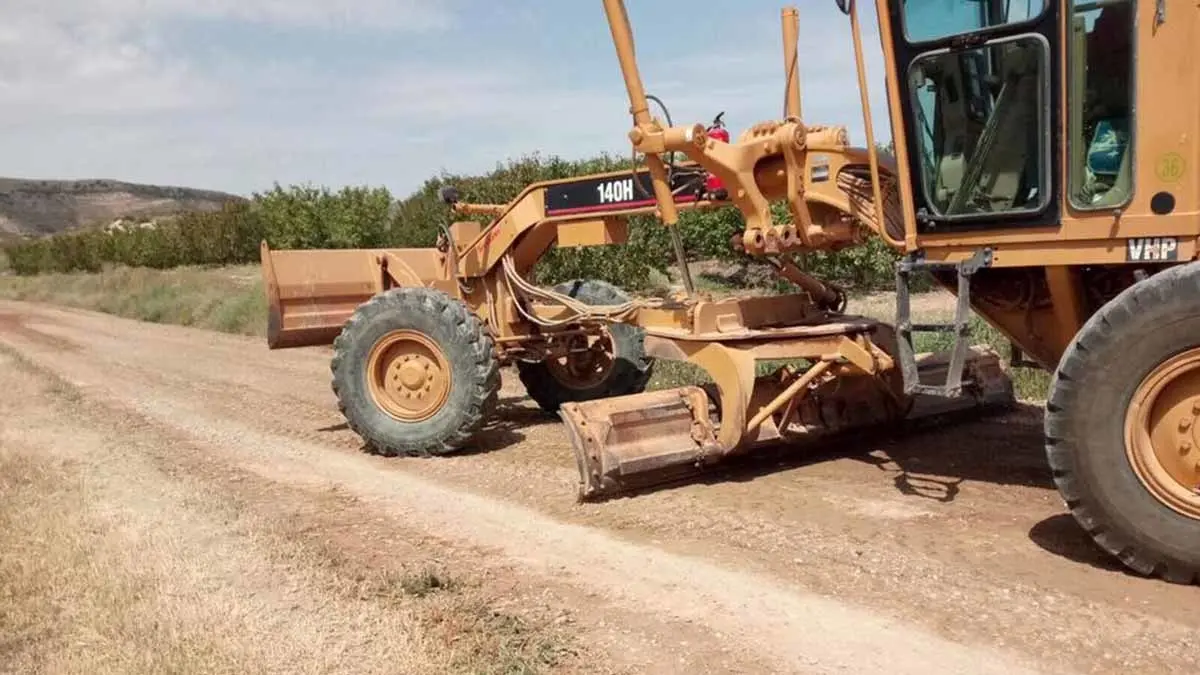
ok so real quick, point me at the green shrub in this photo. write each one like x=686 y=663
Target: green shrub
x=307 y=217
x=298 y=217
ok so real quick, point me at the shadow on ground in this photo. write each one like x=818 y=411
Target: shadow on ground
x=513 y=414
x=1062 y=536
x=1002 y=450
x=929 y=460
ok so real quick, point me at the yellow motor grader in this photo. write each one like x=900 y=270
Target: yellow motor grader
x=1042 y=173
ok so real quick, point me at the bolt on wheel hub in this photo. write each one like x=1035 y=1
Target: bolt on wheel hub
x=408 y=375
x=1162 y=433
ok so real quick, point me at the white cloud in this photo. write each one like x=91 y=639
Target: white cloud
x=505 y=108
x=410 y=15
x=53 y=70
x=495 y=94
x=495 y=112
x=72 y=58
x=95 y=88
x=407 y=15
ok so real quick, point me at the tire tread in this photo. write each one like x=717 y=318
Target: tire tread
x=1062 y=449
x=469 y=329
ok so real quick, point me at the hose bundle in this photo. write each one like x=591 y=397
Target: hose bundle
x=855 y=181
x=524 y=291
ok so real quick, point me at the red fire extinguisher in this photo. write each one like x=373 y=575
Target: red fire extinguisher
x=717 y=129
x=713 y=185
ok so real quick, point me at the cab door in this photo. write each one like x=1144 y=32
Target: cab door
x=978 y=85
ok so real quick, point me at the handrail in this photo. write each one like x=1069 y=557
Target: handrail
x=872 y=151
x=791 y=62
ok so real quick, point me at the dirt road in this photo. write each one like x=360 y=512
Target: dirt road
x=934 y=553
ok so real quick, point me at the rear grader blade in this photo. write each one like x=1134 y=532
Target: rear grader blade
x=312 y=293
x=629 y=443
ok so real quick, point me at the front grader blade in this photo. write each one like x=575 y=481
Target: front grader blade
x=656 y=435
x=629 y=443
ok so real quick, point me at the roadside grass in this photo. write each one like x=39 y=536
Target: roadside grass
x=66 y=603
x=464 y=624
x=469 y=626
x=70 y=602
x=231 y=300
x=228 y=299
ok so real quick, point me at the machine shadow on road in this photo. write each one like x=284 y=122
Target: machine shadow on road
x=934 y=463
x=1062 y=536
x=929 y=461
x=511 y=417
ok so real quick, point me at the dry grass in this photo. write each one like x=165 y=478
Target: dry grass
x=67 y=601
x=121 y=556
x=229 y=300
x=78 y=595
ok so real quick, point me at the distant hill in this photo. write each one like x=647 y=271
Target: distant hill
x=40 y=207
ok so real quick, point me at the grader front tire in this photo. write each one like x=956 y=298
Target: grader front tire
x=627 y=371
x=1121 y=426
x=415 y=373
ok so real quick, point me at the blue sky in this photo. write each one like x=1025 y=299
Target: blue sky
x=238 y=94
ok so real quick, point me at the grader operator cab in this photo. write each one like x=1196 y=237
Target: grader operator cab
x=1043 y=157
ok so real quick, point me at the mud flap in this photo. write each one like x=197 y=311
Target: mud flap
x=626 y=442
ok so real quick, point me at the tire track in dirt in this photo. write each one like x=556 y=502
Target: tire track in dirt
x=332 y=616
x=965 y=566
x=177 y=577
x=804 y=632
x=755 y=613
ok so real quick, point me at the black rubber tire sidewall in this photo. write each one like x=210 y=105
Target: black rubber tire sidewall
x=1085 y=422
x=466 y=347
x=631 y=369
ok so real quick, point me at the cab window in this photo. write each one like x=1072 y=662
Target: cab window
x=983 y=127
x=1100 y=100
x=926 y=20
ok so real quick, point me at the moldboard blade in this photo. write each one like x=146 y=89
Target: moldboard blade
x=626 y=442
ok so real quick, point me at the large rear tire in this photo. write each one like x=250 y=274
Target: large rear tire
x=1123 y=426
x=415 y=373
x=625 y=369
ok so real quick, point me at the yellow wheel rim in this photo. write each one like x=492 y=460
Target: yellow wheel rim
x=587 y=363
x=408 y=375
x=1162 y=433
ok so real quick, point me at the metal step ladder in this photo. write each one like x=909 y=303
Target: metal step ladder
x=961 y=328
